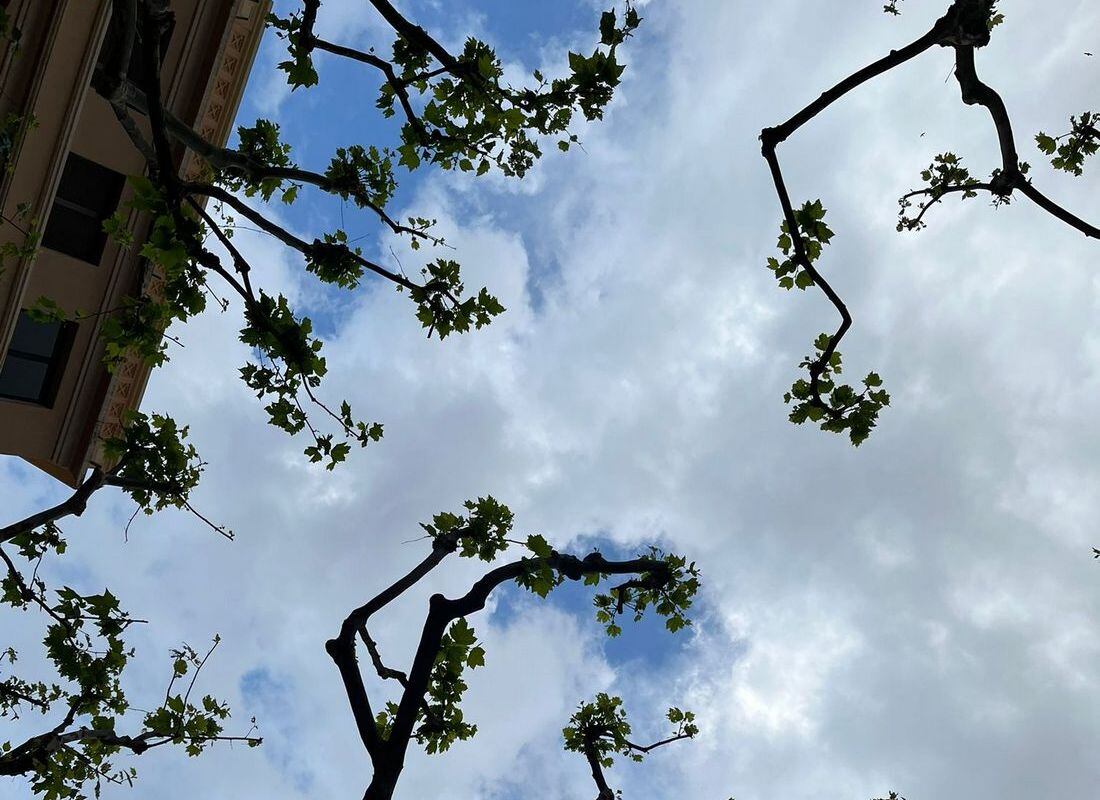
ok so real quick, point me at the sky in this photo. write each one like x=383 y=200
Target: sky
x=918 y=614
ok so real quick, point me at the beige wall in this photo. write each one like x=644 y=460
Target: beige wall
x=49 y=77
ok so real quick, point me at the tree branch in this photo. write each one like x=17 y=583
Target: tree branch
x=414 y=34
x=314 y=249
x=342 y=648
x=593 y=758
x=73 y=506
x=661 y=743
x=976 y=92
x=442 y=611
x=770 y=139
x=399 y=86
x=1028 y=190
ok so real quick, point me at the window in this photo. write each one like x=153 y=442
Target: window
x=35 y=361
x=88 y=194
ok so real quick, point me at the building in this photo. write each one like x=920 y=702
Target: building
x=66 y=173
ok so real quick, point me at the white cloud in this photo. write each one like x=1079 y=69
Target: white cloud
x=917 y=614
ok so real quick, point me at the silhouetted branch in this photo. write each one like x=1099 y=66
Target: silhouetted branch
x=647 y=748
x=772 y=137
x=387 y=755
x=965 y=27
x=593 y=757
x=309 y=249
x=75 y=505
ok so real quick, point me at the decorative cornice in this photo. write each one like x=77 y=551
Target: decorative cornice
x=226 y=83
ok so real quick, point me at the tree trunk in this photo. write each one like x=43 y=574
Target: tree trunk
x=382 y=784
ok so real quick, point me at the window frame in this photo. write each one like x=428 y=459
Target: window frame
x=94 y=215
x=55 y=363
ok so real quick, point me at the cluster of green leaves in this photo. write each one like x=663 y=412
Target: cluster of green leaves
x=155 y=460
x=261 y=145
x=84 y=643
x=539 y=575
x=45 y=310
x=272 y=328
x=668 y=586
x=838 y=407
x=34 y=544
x=333 y=260
x=466 y=117
x=299 y=69
x=945 y=173
x=473 y=122
x=669 y=591
x=440 y=721
x=84 y=640
x=482 y=534
x=181 y=722
x=17 y=693
x=469 y=119
x=363 y=174
x=600 y=729
x=137 y=327
x=1069 y=151
x=290 y=363
x=814 y=233
x=438 y=307
x=684 y=722
x=19 y=250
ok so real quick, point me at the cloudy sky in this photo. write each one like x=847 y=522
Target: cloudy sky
x=920 y=614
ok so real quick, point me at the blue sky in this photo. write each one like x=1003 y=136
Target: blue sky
x=918 y=614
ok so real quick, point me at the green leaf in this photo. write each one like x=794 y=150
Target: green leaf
x=538 y=545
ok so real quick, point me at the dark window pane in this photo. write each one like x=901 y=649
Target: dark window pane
x=34 y=338
x=90 y=185
x=22 y=379
x=87 y=195
x=75 y=233
x=35 y=361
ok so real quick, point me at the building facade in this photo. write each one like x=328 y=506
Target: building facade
x=67 y=161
